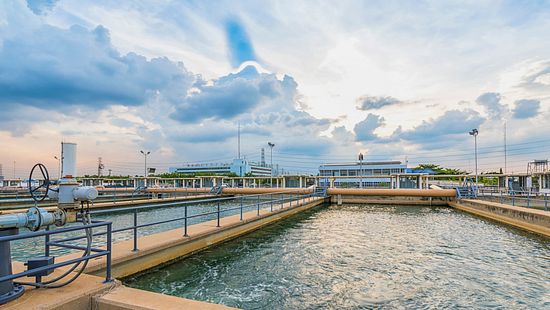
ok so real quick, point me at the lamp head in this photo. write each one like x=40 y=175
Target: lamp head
x=474 y=132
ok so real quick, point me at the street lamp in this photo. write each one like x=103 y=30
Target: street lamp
x=145 y=175
x=360 y=170
x=474 y=133
x=271 y=145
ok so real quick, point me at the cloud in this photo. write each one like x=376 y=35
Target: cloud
x=238 y=42
x=47 y=67
x=451 y=124
x=239 y=93
x=491 y=103
x=375 y=103
x=526 y=108
x=364 y=130
x=41 y=7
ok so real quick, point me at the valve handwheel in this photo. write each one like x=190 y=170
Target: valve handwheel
x=46 y=184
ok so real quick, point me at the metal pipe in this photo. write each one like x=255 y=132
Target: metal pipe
x=135 y=231
x=185 y=223
x=218 y=225
x=108 y=276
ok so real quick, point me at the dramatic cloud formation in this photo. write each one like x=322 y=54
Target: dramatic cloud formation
x=526 y=108
x=110 y=75
x=45 y=66
x=374 y=103
x=364 y=130
x=491 y=103
x=228 y=96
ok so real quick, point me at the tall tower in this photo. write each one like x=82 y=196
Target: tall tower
x=100 y=167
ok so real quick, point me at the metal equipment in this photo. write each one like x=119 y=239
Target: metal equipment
x=72 y=199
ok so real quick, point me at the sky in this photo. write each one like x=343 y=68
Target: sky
x=322 y=80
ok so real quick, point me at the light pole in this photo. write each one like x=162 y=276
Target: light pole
x=145 y=175
x=271 y=145
x=360 y=170
x=474 y=133
x=58 y=167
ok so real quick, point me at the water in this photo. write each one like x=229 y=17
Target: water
x=361 y=257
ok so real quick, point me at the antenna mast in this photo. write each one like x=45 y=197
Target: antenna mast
x=239 y=141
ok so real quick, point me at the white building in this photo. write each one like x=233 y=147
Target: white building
x=240 y=167
x=370 y=174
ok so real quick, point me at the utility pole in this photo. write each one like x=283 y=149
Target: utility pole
x=145 y=169
x=474 y=133
x=14 y=169
x=271 y=145
x=505 y=153
x=360 y=170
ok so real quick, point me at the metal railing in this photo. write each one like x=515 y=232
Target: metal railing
x=259 y=202
x=527 y=199
x=61 y=243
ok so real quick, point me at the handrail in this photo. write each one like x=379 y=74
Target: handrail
x=97 y=252
x=258 y=204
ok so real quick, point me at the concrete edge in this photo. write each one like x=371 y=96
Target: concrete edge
x=544 y=231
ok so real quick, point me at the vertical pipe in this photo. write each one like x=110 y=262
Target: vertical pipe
x=218 y=225
x=47 y=243
x=185 y=222
x=135 y=231
x=109 y=252
x=241 y=208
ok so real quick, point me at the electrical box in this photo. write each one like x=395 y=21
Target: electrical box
x=40 y=261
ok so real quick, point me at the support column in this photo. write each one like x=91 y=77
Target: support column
x=301 y=184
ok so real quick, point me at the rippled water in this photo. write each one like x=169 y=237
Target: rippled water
x=363 y=257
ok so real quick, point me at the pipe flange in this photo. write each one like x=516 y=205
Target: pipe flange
x=17 y=291
x=34 y=219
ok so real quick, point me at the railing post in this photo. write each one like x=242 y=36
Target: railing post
x=271 y=204
x=109 y=252
x=135 y=231
x=218 y=215
x=513 y=199
x=545 y=201
x=528 y=199
x=185 y=222
x=47 y=243
x=241 y=208
x=258 y=205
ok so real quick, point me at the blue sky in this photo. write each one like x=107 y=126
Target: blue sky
x=323 y=80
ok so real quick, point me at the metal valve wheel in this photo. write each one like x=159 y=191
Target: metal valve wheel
x=35 y=192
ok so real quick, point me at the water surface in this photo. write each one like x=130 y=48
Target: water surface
x=363 y=257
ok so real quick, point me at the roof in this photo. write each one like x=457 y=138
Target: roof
x=366 y=163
